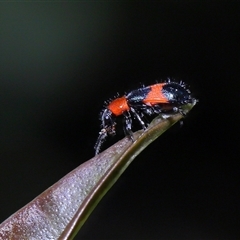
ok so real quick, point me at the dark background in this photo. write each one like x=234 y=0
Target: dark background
x=60 y=61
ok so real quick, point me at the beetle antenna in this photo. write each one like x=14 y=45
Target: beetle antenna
x=101 y=138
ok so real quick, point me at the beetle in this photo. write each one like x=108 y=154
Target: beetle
x=158 y=98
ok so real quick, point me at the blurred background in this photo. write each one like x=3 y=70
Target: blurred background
x=59 y=61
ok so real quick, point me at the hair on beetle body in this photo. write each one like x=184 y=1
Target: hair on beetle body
x=159 y=98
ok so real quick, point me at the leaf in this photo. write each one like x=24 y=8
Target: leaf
x=61 y=210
